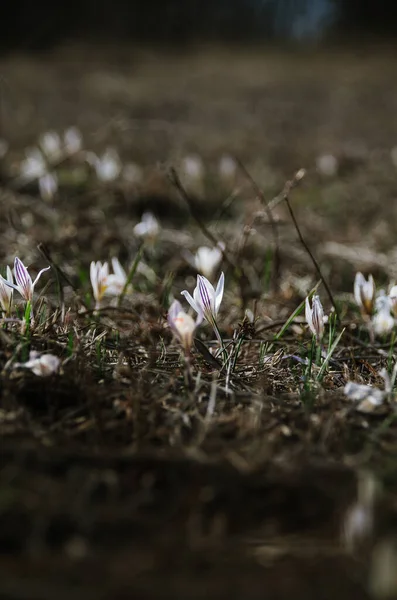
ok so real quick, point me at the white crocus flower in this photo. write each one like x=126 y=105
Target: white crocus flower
x=42 y=366
x=109 y=166
x=34 y=165
x=207 y=259
x=23 y=281
x=51 y=145
x=72 y=140
x=382 y=321
x=6 y=292
x=206 y=300
x=116 y=281
x=149 y=227
x=182 y=324
x=227 y=168
x=105 y=283
x=99 y=280
x=315 y=317
x=364 y=294
x=193 y=167
x=48 y=186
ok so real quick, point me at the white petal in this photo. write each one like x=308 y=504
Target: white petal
x=192 y=302
x=118 y=269
x=359 y=282
x=308 y=315
x=39 y=275
x=219 y=292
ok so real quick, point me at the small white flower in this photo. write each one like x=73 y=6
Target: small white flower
x=364 y=294
x=42 y=366
x=6 y=292
x=315 y=317
x=72 y=140
x=382 y=321
x=149 y=227
x=105 y=283
x=109 y=166
x=34 y=165
x=48 y=186
x=50 y=143
x=207 y=260
x=182 y=324
x=193 y=167
x=206 y=300
x=23 y=281
x=227 y=168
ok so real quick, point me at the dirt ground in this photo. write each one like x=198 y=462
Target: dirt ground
x=113 y=484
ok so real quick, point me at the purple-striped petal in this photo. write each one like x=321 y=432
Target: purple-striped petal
x=23 y=280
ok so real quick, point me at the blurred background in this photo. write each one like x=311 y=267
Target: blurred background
x=40 y=25
x=278 y=84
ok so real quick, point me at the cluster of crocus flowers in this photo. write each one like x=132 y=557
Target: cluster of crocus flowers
x=314 y=314
x=105 y=283
x=206 y=300
x=24 y=284
x=376 y=309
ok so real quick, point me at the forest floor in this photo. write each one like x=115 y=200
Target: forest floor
x=259 y=478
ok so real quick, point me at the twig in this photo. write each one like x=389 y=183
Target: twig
x=242 y=279
x=273 y=224
x=285 y=196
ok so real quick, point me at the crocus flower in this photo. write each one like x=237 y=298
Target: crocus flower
x=193 y=167
x=23 y=281
x=182 y=324
x=72 y=140
x=148 y=227
x=48 y=186
x=207 y=259
x=364 y=294
x=42 y=366
x=6 y=292
x=109 y=166
x=105 y=283
x=99 y=280
x=227 y=168
x=116 y=281
x=382 y=321
x=34 y=165
x=50 y=143
x=315 y=317
x=206 y=300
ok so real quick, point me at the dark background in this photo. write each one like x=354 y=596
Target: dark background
x=31 y=25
